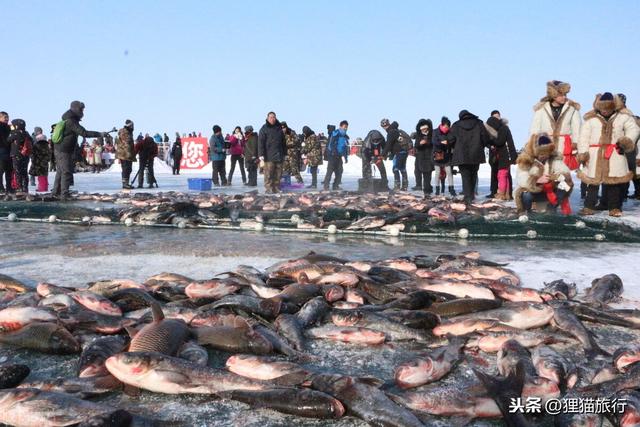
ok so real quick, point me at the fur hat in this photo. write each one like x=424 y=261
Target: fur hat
x=607 y=102
x=543 y=146
x=557 y=88
x=248 y=129
x=384 y=123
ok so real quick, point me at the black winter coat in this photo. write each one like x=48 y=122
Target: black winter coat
x=374 y=144
x=471 y=138
x=501 y=140
x=72 y=130
x=424 y=152
x=392 y=146
x=5 y=146
x=439 y=147
x=176 y=152
x=271 y=143
x=40 y=158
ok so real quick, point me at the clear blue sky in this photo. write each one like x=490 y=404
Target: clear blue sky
x=194 y=64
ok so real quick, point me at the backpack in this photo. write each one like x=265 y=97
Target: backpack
x=58 y=132
x=405 y=140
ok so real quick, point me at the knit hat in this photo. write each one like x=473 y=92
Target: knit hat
x=217 y=129
x=445 y=121
x=544 y=146
x=77 y=107
x=248 y=129
x=37 y=130
x=128 y=124
x=605 y=103
x=557 y=88
x=384 y=123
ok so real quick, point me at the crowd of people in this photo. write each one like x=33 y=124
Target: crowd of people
x=601 y=148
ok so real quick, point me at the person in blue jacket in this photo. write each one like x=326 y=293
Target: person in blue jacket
x=217 y=155
x=337 y=148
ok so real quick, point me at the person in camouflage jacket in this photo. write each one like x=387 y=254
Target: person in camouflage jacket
x=125 y=152
x=313 y=152
x=292 y=160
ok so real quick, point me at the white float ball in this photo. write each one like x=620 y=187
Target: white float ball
x=523 y=218
x=332 y=229
x=463 y=233
x=86 y=219
x=259 y=227
x=295 y=219
x=580 y=224
x=394 y=231
x=532 y=234
x=599 y=237
x=128 y=222
x=12 y=217
x=182 y=224
x=52 y=218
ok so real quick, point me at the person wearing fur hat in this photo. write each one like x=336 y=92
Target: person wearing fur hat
x=424 y=156
x=40 y=162
x=504 y=154
x=542 y=176
x=125 y=152
x=559 y=117
x=607 y=134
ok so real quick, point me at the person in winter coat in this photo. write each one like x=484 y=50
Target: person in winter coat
x=96 y=150
x=176 y=155
x=631 y=157
x=542 y=176
x=443 y=142
x=312 y=151
x=559 y=117
x=52 y=160
x=237 y=144
x=424 y=156
x=147 y=150
x=471 y=138
x=125 y=152
x=337 y=148
x=217 y=155
x=504 y=154
x=6 y=168
x=40 y=163
x=272 y=150
x=291 y=165
x=607 y=134
x=65 y=150
x=251 y=156
x=373 y=154
x=21 y=148
x=36 y=131
x=397 y=149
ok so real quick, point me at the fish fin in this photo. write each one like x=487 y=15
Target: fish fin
x=131 y=330
x=130 y=390
x=156 y=310
x=510 y=386
x=292 y=379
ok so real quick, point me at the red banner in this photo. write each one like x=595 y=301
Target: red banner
x=194 y=153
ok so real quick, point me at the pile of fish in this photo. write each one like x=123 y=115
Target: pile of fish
x=461 y=337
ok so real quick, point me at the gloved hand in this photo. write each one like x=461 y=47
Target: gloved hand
x=619 y=149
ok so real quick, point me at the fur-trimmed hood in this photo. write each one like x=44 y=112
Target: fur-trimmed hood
x=533 y=149
x=616 y=105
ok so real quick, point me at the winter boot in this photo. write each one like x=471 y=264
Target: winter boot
x=405 y=181
x=500 y=195
x=125 y=185
x=416 y=188
x=396 y=185
x=452 y=191
x=615 y=213
x=438 y=190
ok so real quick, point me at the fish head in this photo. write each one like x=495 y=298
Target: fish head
x=348 y=318
x=123 y=365
x=625 y=356
x=9 y=397
x=333 y=293
x=62 y=342
x=414 y=372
